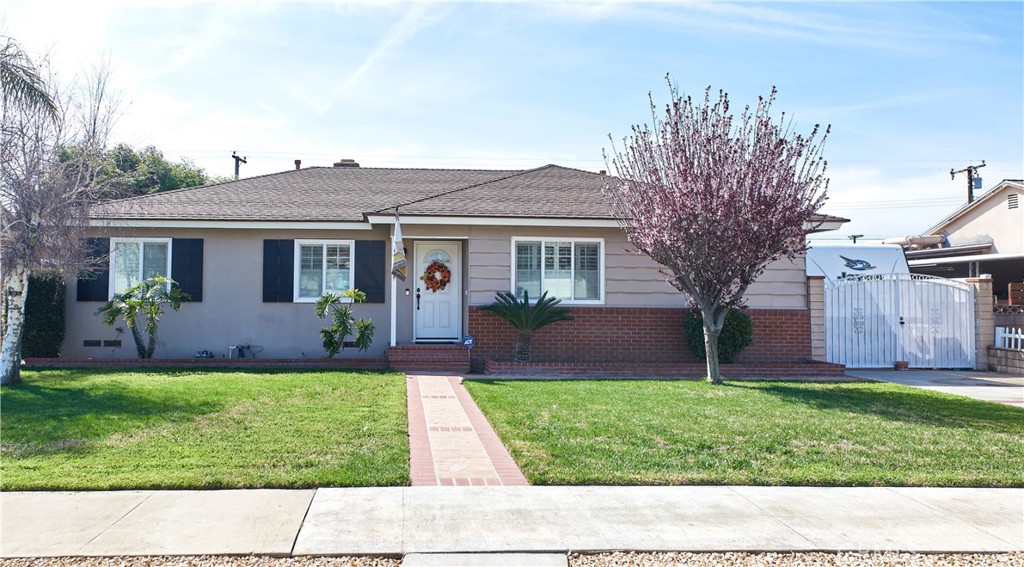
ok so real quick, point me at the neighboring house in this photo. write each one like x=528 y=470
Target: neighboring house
x=985 y=236
x=255 y=254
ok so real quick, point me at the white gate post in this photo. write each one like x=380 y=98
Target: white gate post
x=984 y=320
x=816 y=305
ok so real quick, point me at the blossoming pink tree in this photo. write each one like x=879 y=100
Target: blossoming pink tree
x=714 y=200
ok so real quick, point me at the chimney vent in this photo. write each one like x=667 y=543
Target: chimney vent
x=298 y=164
x=345 y=162
x=603 y=172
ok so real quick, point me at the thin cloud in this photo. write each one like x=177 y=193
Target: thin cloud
x=794 y=22
x=418 y=18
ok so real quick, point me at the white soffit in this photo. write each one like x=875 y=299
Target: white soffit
x=521 y=221
x=262 y=225
x=494 y=221
x=963 y=259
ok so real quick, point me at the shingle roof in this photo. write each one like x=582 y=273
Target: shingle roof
x=551 y=192
x=315 y=194
x=327 y=194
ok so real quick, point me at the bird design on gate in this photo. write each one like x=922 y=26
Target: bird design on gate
x=859 y=265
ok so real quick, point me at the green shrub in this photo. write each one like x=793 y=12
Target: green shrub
x=44 y=316
x=737 y=334
x=343 y=323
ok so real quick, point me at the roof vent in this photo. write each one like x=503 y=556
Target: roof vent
x=345 y=162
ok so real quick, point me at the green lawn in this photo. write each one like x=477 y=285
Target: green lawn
x=106 y=429
x=766 y=433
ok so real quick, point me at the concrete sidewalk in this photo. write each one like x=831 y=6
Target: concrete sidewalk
x=397 y=521
x=977 y=384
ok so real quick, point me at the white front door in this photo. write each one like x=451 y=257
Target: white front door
x=437 y=304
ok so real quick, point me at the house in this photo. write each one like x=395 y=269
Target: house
x=985 y=236
x=255 y=254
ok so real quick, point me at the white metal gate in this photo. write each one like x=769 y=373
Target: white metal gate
x=874 y=321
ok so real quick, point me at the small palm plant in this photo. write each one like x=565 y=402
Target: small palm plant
x=343 y=323
x=145 y=300
x=527 y=318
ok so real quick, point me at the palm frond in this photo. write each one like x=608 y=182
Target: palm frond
x=524 y=316
x=20 y=81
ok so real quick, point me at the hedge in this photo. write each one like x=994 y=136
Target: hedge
x=44 y=316
x=737 y=334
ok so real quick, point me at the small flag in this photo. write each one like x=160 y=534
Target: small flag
x=398 y=263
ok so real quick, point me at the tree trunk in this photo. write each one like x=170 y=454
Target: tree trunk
x=714 y=320
x=140 y=343
x=151 y=346
x=522 y=352
x=711 y=352
x=16 y=284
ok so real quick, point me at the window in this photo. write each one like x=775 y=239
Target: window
x=135 y=259
x=322 y=266
x=571 y=270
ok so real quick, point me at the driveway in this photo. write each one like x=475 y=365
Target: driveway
x=988 y=386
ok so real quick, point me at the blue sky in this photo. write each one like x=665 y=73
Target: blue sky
x=910 y=89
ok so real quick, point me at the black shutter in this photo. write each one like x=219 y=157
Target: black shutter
x=370 y=267
x=187 y=266
x=93 y=282
x=278 y=270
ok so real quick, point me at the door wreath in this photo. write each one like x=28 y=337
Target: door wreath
x=436 y=277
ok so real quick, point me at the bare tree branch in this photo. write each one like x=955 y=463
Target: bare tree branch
x=47 y=182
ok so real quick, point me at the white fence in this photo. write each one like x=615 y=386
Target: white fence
x=1008 y=337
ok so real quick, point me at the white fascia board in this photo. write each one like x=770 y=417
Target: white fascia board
x=261 y=225
x=965 y=259
x=523 y=221
x=494 y=221
x=823 y=227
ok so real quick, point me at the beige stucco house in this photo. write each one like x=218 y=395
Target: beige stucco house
x=985 y=236
x=255 y=254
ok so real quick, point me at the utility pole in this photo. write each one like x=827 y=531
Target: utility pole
x=854 y=237
x=237 y=161
x=972 y=172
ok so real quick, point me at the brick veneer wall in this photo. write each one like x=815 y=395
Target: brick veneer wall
x=625 y=334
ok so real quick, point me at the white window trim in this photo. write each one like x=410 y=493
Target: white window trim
x=323 y=268
x=140 y=241
x=574 y=240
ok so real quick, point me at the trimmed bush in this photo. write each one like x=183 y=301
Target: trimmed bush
x=737 y=334
x=44 y=316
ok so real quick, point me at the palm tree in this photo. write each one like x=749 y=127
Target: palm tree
x=144 y=300
x=527 y=318
x=20 y=82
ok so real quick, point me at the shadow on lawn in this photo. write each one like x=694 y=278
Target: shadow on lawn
x=902 y=404
x=40 y=419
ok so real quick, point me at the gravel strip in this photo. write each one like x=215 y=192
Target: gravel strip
x=880 y=559
x=203 y=561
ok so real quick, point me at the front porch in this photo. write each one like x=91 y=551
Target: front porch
x=431 y=358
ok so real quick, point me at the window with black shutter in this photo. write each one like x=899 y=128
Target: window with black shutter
x=370 y=269
x=187 y=266
x=93 y=281
x=278 y=270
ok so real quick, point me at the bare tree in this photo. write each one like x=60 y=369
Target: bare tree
x=714 y=200
x=48 y=171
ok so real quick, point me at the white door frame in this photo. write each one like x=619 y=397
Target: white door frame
x=456 y=283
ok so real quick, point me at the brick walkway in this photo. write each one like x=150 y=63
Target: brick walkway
x=451 y=442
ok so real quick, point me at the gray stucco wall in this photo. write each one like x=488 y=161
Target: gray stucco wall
x=232 y=311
